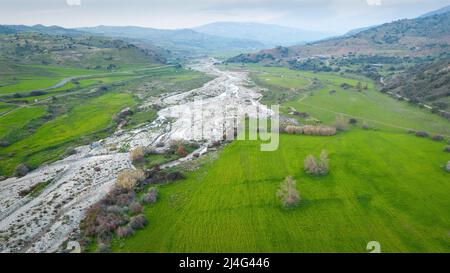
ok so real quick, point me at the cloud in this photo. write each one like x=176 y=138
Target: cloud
x=374 y=2
x=73 y=2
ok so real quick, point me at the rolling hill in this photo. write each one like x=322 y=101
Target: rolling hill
x=409 y=37
x=270 y=35
x=186 y=41
x=72 y=51
x=426 y=84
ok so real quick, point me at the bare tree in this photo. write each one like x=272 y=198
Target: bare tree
x=288 y=193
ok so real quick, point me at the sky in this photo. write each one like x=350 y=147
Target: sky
x=329 y=16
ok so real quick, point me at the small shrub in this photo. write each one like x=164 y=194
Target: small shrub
x=324 y=163
x=135 y=208
x=175 y=143
x=128 y=179
x=352 y=121
x=446 y=149
x=310 y=130
x=181 y=151
x=138 y=222
x=340 y=124
x=21 y=170
x=103 y=247
x=447 y=168
x=124 y=231
x=151 y=197
x=311 y=166
x=365 y=126
x=437 y=138
x=288 y=193
x=137 y=155
x=422 y=134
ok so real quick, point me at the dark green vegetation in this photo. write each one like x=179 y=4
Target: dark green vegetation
x=426 y=84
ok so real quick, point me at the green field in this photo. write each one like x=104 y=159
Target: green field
x=49 y=140
x=379 y=189
x=17 y=120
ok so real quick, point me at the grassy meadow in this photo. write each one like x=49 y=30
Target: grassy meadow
x=379 y=188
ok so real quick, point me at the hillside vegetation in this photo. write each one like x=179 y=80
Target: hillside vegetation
x=408 y=37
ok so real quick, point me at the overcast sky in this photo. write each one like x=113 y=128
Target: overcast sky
x=332 y=16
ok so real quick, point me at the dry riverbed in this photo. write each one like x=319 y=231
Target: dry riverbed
x=42 y=223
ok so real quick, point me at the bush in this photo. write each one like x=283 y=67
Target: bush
x=124 y=231
x=135 y=208
x=138 y=222
x=421 y=134
x=70 y=151
x=21 y=170
x=446 y=149
x=438 y=137
x=310 y=130
x=129 y=178
x=181 y=151
x=313 y=167
x=151 y=197
x=175 y=143
x=137 y=155
x=340 y=124
x=288 y=193
x=352 y=121
x=365 y=126
x=324 y=162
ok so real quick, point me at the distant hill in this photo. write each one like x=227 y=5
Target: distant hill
x=183 y=40
x=74 y=51
x=270 y=35
x=437 y=12
x=409 y=37
x=53 y=30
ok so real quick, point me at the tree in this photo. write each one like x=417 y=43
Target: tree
x=340 y=124
x=324 y=163
x=311 y=166
x=288 y=193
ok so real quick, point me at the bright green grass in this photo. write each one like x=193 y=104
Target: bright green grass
x=45 y=144
x=379 y=189
x=35 y=77
x=4 y=107
x=286 y=82
x=19 y=118
x=46 y=77
x=377 y=109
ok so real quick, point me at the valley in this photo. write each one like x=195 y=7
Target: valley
x=186 y=135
